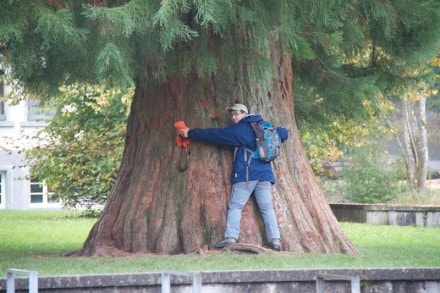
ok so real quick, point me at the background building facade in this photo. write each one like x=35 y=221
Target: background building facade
x=18 y=123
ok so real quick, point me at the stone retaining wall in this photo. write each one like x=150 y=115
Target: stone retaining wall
x=388 y=214
x=412 y=280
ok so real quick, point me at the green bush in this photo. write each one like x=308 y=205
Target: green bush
x=373 y=177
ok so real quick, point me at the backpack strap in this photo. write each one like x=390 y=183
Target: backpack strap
x=259 y=133
x=258 y=130
x=247 y=152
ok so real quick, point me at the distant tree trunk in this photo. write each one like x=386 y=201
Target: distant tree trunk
x=155 y=208
x=415 y=143
x=422 y=168
x=409 y=148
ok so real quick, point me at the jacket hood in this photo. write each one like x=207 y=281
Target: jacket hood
x=251 y=118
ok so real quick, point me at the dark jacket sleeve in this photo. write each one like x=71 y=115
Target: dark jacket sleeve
x=226 y=136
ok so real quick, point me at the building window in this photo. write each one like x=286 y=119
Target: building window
x=52 y=197
x=36 y=191
x=41 y=193
x=36 y=112
x=2 y=104
x=2 y=189
x=2 y=110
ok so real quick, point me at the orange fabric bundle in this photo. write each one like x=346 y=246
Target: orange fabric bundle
x=179 y=125
x=180 y=141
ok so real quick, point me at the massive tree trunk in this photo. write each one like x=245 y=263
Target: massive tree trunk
x=155 y=208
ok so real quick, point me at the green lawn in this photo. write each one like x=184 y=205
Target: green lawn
x=33 y=240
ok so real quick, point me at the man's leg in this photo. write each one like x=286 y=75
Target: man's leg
x=240 y=195
x=263 y=196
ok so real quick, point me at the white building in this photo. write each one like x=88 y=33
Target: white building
x=17 y=190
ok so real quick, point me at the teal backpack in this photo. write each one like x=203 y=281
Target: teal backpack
x=268 y=141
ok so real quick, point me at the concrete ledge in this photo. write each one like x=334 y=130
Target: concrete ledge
x=372 y=280
x=388 y=214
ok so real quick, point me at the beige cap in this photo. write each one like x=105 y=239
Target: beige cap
x=239 y=107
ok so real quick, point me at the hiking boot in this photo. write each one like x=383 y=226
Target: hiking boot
x=225 y=242
x=275 y=244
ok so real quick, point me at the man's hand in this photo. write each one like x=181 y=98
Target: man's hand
x=184 y=132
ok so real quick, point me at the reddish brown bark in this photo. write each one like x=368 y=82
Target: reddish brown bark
x=155 y=208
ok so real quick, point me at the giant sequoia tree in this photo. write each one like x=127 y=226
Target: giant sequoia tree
x=190 y=60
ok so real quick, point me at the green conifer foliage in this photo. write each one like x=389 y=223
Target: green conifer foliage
x=54 y=42
x=342 y=54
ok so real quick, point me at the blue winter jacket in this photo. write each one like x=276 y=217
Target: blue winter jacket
x=242 y=136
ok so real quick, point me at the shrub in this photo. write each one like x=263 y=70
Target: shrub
x=373 y=177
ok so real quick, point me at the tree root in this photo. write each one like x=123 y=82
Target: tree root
x=104 y=251
x=110 y=251
x=245 y=248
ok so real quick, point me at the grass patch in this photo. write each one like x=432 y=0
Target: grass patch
x=428 y=197
x=33 y=240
